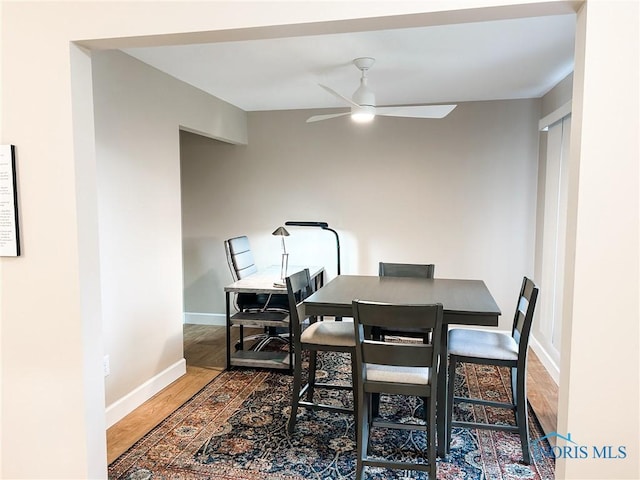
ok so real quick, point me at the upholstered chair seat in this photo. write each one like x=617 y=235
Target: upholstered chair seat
x=482 y=344
x=329 y=333
x=395 y=374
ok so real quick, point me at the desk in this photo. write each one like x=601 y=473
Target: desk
x=262 y=282
x=465 y=302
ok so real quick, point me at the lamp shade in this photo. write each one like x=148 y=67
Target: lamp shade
x=281 y=231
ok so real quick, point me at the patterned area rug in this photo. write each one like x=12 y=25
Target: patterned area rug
x=235 y=428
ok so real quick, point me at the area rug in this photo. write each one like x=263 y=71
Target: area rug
x=235 y=428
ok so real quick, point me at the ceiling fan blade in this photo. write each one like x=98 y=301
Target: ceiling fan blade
x=317 y=118
x=416 y=111
x=341 y=97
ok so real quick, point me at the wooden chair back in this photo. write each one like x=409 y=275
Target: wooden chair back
x=370 y=317
x=523 y=317
x=299 y=287
x=386 y=269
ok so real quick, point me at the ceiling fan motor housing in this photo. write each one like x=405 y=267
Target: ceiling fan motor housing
x=363 y=95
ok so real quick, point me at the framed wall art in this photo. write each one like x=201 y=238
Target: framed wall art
x=9 y=229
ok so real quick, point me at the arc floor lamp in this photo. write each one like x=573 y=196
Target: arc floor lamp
x=323 y=226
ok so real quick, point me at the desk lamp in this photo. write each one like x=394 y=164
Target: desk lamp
x=324 y=226
x=284 y=265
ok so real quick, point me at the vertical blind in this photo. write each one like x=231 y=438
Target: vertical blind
x=554 y=237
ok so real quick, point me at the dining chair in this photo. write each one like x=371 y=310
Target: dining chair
x=318 y=336
x=500 y=349
x=386 y=269
x=398 y=369
x=242 y=264
x=412 y=270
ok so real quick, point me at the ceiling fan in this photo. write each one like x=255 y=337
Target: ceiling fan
x=363 y=102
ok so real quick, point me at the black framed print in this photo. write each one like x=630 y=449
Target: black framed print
x=9 y=231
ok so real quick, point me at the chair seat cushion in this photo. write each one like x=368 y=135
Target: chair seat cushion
x=482 y=344
x=329 y=333
x=393 y=374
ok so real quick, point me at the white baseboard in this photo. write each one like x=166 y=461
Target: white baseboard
x=552 y=367
x=122 y=407
x=217 y=319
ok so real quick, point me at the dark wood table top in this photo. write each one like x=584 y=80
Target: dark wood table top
x=465 y=302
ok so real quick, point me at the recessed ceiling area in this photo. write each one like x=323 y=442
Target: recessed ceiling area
x=494 y=60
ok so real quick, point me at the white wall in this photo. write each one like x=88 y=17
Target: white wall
x=52 y=393
x=138 y=111
x=599 y=380
x=557 y=96
x=458 y=192
x=541 y=339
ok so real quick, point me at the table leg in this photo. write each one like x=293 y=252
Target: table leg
x=441 y=415
x=228 y=305
x=318 y=284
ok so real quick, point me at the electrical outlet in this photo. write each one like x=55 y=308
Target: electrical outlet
x=106 y=369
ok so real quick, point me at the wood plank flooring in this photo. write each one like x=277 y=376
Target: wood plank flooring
x=542 y=393
x=204 y=350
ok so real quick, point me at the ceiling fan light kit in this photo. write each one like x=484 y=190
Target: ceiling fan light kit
x=363 y=102
x=363 y=114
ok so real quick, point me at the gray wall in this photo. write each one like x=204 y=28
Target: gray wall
x=138 y=114
x=459 y=192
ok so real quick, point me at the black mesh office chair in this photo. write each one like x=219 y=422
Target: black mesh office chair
x=242 y=264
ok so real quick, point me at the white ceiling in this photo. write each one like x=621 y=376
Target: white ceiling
x=505 y=59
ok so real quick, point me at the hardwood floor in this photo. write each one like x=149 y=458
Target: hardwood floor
x=204 y=350
x=542 y=393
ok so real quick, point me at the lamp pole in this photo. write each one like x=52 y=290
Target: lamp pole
x=282 y=232
x=337 y=245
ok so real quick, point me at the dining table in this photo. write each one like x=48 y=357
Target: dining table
x=464 y=302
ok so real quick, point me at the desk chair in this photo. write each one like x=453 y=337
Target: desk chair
x=318 y=336
x=242 y=264
x=500 y=349
x=398 y=369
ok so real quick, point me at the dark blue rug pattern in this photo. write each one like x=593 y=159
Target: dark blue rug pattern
x=235 y=428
